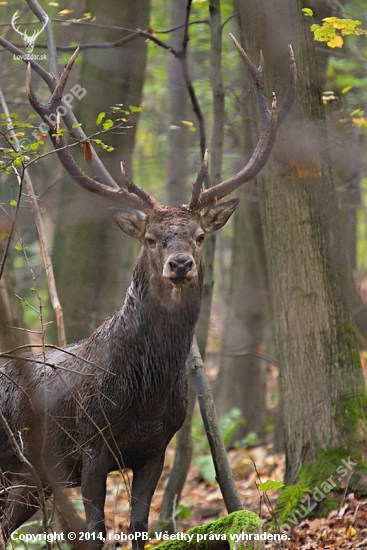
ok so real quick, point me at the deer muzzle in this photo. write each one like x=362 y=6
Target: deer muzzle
x=179 y=268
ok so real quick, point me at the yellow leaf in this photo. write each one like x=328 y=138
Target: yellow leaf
x=360 y=121
x=335 y=42
x=65 y=12
x=351 y=532
x=187 y=123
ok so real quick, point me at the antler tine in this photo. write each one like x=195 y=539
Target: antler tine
x=48 y=112
x=138 y=191
x=271 y=118
x=56 y=97
x=197 y=187
x=59 y=90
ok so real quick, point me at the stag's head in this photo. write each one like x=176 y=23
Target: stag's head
x=172 y=237
x=29 y=41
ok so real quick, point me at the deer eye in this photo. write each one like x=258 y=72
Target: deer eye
x=200 y=238
x=150 y=242
x=164 y=244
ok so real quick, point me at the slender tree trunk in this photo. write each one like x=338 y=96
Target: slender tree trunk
x=321 y=381
x=242 y=379
x=11 y=316
x=93 y=259
x=216 y=158
x=177 y=90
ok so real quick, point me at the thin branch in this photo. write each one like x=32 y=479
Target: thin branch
x=20 y=456
x=12 y=228
x=63 y=350
x=41 y=14
x=41 y=234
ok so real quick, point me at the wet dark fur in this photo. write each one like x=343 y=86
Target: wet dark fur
x=138 y=405
x=76 y=422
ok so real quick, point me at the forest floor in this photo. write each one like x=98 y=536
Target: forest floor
x=201 y=501
x=344 y=528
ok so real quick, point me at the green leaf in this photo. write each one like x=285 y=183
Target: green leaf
x=13 y=202
x=3 y=236
x=100 y=117
x=182 y=512
x=17 y=247
x=108 y=124
x=346 y=89
x=308 y=12
x=76 y=125
x=134 y=109
x=271 y=485
x=289 y=500
x=206 y=467
x=230 y=423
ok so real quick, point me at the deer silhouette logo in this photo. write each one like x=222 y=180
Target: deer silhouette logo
x=28 y=40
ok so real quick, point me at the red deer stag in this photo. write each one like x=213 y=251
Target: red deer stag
x=115 y=400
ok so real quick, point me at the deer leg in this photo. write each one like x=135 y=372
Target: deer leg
x=94 y=496
x=145 y=480
x=21 y=505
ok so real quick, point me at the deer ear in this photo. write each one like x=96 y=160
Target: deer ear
x=218 y=215
x=132 y=222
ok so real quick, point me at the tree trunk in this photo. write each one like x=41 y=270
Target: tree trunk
x=321 y=381
x=177 y=90
x=93 y=259
x=242 y=379
x=11 y=316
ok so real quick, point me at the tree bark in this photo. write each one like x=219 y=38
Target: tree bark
x=177 y=90
x=242 y=378
x=88 y=246
x=321 y=382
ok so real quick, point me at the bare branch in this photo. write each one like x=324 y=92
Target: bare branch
x=20 y=456
x=41 y=235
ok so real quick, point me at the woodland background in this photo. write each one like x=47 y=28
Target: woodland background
x=284 y=324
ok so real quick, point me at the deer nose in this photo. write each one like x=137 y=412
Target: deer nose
x=180 y=265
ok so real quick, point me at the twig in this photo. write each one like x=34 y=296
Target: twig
x=41 y=234
x=20 y=456
x=39 y=12
x=63 y=350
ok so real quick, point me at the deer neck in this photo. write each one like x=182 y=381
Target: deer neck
x=155 y=317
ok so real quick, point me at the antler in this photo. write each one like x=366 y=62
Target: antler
x=271 y=118
x=13 y=20
x=24 y=35
x=134 y=197
x=36 y=33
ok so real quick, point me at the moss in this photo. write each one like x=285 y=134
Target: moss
x=235 y=523
x=348 y=356
x=350 y=417
x=326 y=464
x=334 y=467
